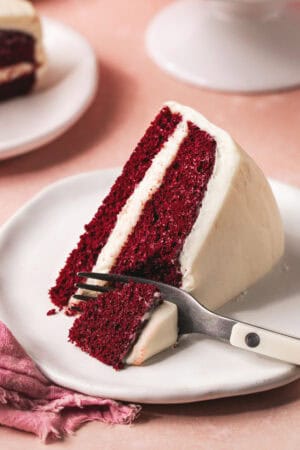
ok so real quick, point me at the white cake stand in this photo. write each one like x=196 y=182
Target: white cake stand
x=230 y=45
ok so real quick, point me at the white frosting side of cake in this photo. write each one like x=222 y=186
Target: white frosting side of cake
x=238 y=235
x=20 y=15
x=159 y=333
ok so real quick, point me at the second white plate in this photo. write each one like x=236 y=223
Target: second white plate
x=62 y=96
x=33 y=247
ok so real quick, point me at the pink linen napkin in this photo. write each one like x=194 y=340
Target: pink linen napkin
x=30 y=402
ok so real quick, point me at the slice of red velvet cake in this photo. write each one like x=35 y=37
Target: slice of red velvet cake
x=190 y=209
x=21 y=52
x=111 y=324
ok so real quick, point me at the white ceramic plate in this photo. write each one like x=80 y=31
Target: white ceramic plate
x=33 y=247
x=63 y=95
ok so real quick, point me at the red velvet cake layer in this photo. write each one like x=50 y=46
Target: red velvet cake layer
x=16 y=47
x=20 y=86
x=153 y=248
x=110 y=325
x=98 y=230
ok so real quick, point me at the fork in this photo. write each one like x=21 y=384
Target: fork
x=193 y=317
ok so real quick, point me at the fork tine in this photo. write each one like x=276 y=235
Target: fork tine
x=84 y=298
x=75 y=308
x=112 y=277
x=93 y=287
x=107 y=277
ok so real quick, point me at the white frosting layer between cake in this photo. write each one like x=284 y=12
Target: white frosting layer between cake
x=236 y=238
x=20 y=15
x=17 y=70
x=133 y=208
x=130 y=213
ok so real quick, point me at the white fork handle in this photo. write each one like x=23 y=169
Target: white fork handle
x=265 y=342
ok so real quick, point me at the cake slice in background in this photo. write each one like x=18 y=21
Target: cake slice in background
x=190 y=208
x=22 y=58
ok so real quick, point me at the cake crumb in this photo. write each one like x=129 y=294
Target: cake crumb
x=52 y=312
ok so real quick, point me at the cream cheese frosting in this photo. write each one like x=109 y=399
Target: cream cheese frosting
x=20 y=15
x=12 y=72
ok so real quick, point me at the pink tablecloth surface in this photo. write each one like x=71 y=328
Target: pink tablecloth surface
x=131 y=90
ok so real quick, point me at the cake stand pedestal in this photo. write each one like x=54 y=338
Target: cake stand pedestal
x=237 y=46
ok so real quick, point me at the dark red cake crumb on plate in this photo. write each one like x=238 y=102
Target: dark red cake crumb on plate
x=52 y=312
x=111 y=324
